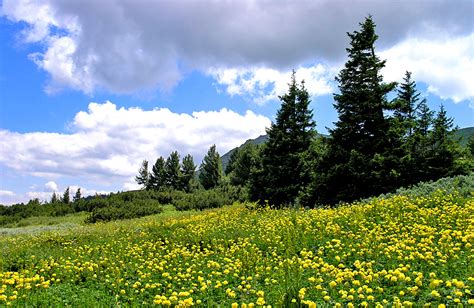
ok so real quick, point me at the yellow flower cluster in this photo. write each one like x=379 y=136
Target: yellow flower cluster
x=399 y=251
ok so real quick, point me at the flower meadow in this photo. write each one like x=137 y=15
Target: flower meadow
x=395 y=251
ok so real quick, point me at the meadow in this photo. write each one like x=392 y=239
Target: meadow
x=392 y=251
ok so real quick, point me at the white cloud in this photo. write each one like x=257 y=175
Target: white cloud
x=7 y=193
x=127 y=46
x=51 y=186
x=107 y=144
x=264 y=84
x=447 y=66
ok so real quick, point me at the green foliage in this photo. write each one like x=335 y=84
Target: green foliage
x=117 y=210
x=241 y=163
x=173 y=171
x=143 y=176
x=281 y=174
x=461 y=185
x=66 y=199
x=78 y=195
x=211 y=169
x=158 y=175
x=355 y=164
x=207 y=199
x=188 y=173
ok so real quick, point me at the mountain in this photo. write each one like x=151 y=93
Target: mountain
x=226 y=157
x=464 y=134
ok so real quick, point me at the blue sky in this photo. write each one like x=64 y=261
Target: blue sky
x=89 y=89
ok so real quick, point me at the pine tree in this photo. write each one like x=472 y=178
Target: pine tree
x=405 y=105
x=211 y=169
x=282 y=175
x=143 y=176
x=355 y=165
x=54 y=198
x=78 y=195
x=188 y=172
x=66 y=198
x=173 y=171
x=444 y=149
x=158 y=175
x=421 y=144
x=403 y=126
x=242 y=161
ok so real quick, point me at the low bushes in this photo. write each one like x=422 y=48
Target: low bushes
x=124 y=210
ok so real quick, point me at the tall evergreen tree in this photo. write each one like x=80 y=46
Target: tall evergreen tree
x=282 y=175
x=173 y=171
x=66 y=197
x=355 y=165
x=158 y=175
x=211 y=169
x=188 y=172
x=54 y=198
x=444 y=150
x=78 y=195
x=407 y=100
x=143 y=176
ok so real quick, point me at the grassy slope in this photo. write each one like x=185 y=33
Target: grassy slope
x=385 y=248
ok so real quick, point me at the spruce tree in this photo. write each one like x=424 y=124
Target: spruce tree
x=78 y=195
x=444 y=150
x=282 y=175
x=173 y=171
x=242 y=161
x=188 y=172
x=158 y=175
x=143 y=176
x=54 y=198
x=66 y=198
x=421 y=140
x=211 y=169
x=355 y=165
x=403 y=125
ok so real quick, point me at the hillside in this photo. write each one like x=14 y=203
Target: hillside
x=226 y=157
x=464 y=134
x=390 y=251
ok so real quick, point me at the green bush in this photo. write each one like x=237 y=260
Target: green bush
x=207 y=199
x=124 y=210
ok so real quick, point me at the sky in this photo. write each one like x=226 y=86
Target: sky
x=89 y=89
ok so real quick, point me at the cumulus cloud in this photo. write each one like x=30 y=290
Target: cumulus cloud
x=7 y=193
x=107 y=144
x=127 y=46
x=447 y=66
x=51 y=186
x=264 y=84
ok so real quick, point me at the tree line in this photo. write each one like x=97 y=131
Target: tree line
x=376 y=146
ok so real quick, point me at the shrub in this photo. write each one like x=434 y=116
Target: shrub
x=124 y=210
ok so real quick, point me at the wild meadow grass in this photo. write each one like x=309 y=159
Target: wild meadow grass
x=400 y=250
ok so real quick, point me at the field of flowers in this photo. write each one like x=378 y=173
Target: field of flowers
x=400 y=251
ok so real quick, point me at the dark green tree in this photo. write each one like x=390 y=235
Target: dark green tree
x=211 y=169
x=66 y=197
x=470 y=145
x=282 y=174
x=78 y=195
x=444 y=149
x=241 y=163
x=158 y=175
x=355 y=165
x=173 y=171
x=406 y=103
x=188 y=172
x=143 y=177
x=54 y=198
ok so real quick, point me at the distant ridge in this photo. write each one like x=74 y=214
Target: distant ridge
x=463 y=134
